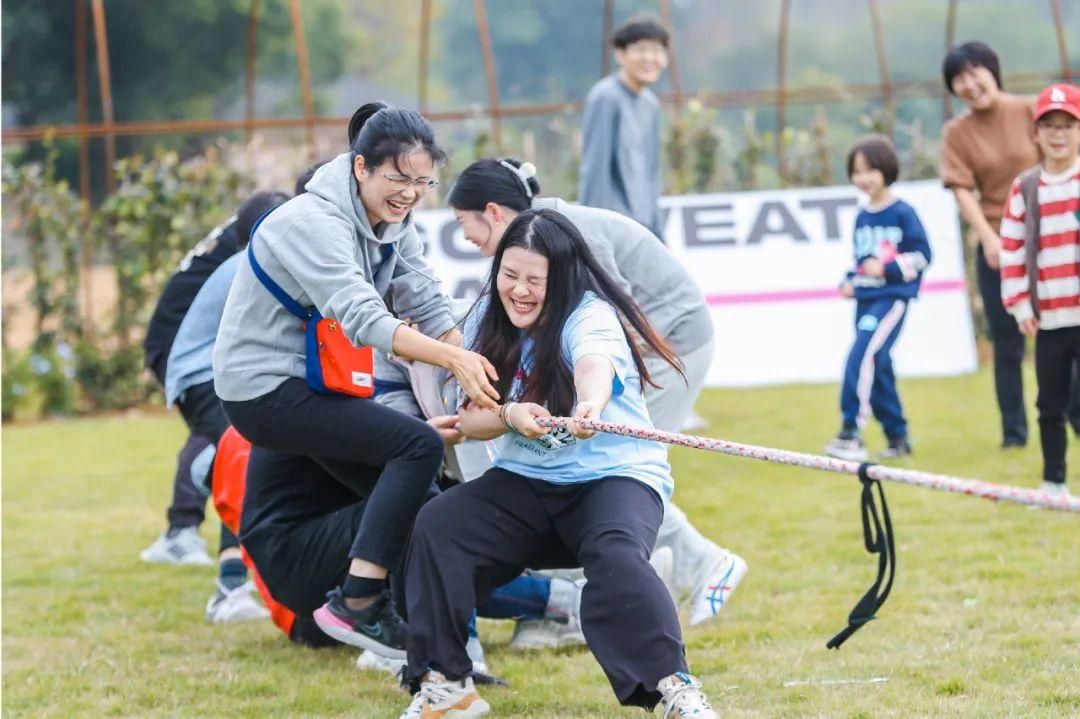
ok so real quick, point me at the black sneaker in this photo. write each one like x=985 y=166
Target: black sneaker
x=377 y=627
x=847 y=445
x=898 y=447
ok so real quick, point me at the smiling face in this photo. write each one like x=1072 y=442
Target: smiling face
x=868 y=179
x=390 y=191
x=1058 y=136
x=642 y=62
x=976 y=86
x=482 y=228
x=522 y=285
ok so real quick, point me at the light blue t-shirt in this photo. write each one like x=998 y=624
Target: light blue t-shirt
x=191 y=359
x=593 y=328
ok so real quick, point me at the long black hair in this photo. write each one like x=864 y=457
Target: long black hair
x=378 y=132
x=572 y=270
x=489 y=180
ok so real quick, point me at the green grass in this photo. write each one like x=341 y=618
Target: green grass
x=984 y=620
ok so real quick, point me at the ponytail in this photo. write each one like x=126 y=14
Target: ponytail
x=508 y=182
x=379 y=132
x=361 y=116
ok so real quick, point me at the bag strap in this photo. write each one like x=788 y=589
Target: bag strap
x=1029 y=190
x=878 y=538
x=385 y=253
x=294 y=307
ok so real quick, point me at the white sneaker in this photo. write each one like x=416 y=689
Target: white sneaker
x=663 y=561
x=716 y=584
x=1058 y=489
x=440 y=698
x=684 y=699
x=183 y=547
x=532 y=634
x=235 y=605
x=371 y=662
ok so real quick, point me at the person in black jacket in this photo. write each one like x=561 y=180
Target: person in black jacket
x=180 y=543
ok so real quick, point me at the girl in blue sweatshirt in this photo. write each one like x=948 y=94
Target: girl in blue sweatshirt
x=891 y=254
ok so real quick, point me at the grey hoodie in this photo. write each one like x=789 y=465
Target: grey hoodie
x=321 y=249
x=644 y=268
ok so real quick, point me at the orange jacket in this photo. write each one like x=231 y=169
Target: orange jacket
x=227 y=490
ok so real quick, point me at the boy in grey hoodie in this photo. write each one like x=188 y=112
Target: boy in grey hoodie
x=620 y=143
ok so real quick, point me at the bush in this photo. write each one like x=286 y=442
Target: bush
x=162 y=207
x=17 y=382
x=110 y=380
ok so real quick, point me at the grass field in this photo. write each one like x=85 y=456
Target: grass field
x=984 y=620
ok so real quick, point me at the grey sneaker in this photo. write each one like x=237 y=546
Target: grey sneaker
x=235 y=605
x=531 y=634
x=180 y=546
x=683 y=698
x=847 y=445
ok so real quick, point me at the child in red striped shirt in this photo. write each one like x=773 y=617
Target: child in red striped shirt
x=1040 y=265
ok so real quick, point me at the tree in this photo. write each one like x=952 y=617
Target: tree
x=168 y=60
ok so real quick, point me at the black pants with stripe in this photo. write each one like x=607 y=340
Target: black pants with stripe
x=480 y=535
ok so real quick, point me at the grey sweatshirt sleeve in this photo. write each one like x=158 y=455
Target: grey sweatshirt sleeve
x=416 y=293
x=388 y=376
x=324 y=264
x=604 y=251
x=599 y=129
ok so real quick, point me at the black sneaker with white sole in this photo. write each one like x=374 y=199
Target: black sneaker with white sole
x=898 y=447
x=847 y=445
x=377 y=627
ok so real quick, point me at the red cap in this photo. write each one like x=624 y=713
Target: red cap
x=1059 y=97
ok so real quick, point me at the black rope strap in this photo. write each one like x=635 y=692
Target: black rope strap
x=878 y=538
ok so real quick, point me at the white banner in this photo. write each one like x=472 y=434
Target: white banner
x=769 y=264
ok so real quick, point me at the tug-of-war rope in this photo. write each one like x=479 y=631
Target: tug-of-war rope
x=976 y=488
x=878 y=535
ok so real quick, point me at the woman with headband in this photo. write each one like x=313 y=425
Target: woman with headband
x=486 y=198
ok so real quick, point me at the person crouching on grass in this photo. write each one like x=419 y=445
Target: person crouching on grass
x=557 y=329
x=1040 y=266
x=891 y=254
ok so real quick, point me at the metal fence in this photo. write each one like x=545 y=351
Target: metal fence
x=877 y=76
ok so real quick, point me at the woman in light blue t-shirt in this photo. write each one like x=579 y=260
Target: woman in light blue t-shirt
x=563 y=339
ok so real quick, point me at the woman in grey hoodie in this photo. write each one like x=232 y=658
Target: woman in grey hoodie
x=342 y=247
x=486 y=198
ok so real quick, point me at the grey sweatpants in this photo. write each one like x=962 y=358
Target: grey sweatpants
x=671 y=403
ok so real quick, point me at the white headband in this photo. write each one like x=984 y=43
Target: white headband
x=526 y=172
